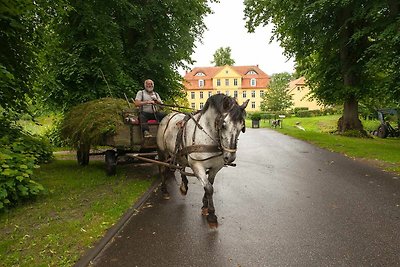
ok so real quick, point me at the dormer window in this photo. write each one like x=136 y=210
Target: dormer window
x=253 y=82
x=200 y=74
x=251 y=72
x=201 y=83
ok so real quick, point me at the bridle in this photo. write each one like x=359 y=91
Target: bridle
x=218 y=125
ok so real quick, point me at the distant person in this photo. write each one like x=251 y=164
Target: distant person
x=146 y=100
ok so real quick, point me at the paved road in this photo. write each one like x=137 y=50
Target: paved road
x=287 y=203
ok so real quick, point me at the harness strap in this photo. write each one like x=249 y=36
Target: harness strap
x=195 y=128
x=179 y=139
x=199 y=149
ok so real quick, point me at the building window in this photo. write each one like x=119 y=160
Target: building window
x=253 y=94
x=201 y=94
x=200 y=74
x=244 y=94
x=192 y=96
x=227 y=92
x=201 y=105
x=227 y=82
x=261 y=93
x=218 y=82
x=193 y=105
x=235 y=94
x=235 y=82
x=253 y=82
x=253 y=104
x=251 y=72
x=209 y=94
x=201 y=83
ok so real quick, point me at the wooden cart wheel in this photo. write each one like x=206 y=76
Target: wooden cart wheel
x=383 y=131
x=82 y=155
x=111 y=162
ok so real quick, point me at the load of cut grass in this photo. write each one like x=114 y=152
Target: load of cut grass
x=91 y=122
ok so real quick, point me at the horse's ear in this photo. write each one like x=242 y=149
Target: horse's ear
x=244 y=105
x=244 y=129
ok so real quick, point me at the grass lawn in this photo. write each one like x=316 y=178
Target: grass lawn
x=80 y=204
x=384 y=153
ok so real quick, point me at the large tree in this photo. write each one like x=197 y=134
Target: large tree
x=109 y=48
x=333 y=44
x=222 y=57
x=277 y=97
x=17 y=54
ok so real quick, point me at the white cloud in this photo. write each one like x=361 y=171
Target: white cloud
x=226 y=27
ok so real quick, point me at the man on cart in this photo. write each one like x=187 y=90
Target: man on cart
x=146 y=100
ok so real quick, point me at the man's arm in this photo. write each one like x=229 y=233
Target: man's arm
x=138 y=100
x=140 y=103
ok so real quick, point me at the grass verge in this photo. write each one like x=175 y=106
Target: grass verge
x=80 y=204
x=384 y=153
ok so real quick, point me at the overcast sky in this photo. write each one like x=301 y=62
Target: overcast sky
x=226 y=27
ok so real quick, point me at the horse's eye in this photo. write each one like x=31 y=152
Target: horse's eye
x=224 y=125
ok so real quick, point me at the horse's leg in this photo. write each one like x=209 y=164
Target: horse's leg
x=211 y=217
x=184 y=185
x=162 y=170
x=208 y=195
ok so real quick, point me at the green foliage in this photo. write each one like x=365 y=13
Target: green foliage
x=303 y=113
x=297 y=109
x=20 y=153
x=346 y=50
x=53 y=134
x=223 y=57
x=89 y=123
x=17 y=48
x=105 y=49
x=256 y=116
x=277 y=97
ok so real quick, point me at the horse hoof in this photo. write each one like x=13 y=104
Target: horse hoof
x=212 y=220
x=213 y=225
x=204 y=211
x=183 y=191
x=165 y=196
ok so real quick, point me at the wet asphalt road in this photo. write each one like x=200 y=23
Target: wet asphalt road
x=287 y=203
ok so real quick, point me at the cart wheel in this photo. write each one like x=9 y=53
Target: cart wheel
x=82 y=155
x=383 y=131
x=111 y=162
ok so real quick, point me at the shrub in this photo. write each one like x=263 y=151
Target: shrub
x=297 y=109
x=53 y=134
x=20 y=153
x=255 y=116
x=303 y=113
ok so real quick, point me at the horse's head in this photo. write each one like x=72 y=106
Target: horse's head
x=229 y=124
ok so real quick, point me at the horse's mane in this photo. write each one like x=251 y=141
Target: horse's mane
x=222 y=104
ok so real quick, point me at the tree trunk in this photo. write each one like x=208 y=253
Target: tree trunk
x=350 y=120
x=351 y=78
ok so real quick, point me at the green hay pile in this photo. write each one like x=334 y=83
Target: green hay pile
x=91 y=122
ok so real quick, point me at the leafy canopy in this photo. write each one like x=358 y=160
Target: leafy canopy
x=223 y=57
x=108 y=48
x=346 y=49
x=277 y=97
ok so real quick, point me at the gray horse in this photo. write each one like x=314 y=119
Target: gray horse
x=204 y=141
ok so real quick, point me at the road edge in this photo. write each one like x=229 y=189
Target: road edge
x=98 y=247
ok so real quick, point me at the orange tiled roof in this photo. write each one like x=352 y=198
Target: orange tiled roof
x=191 y=80
x=300 y=81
